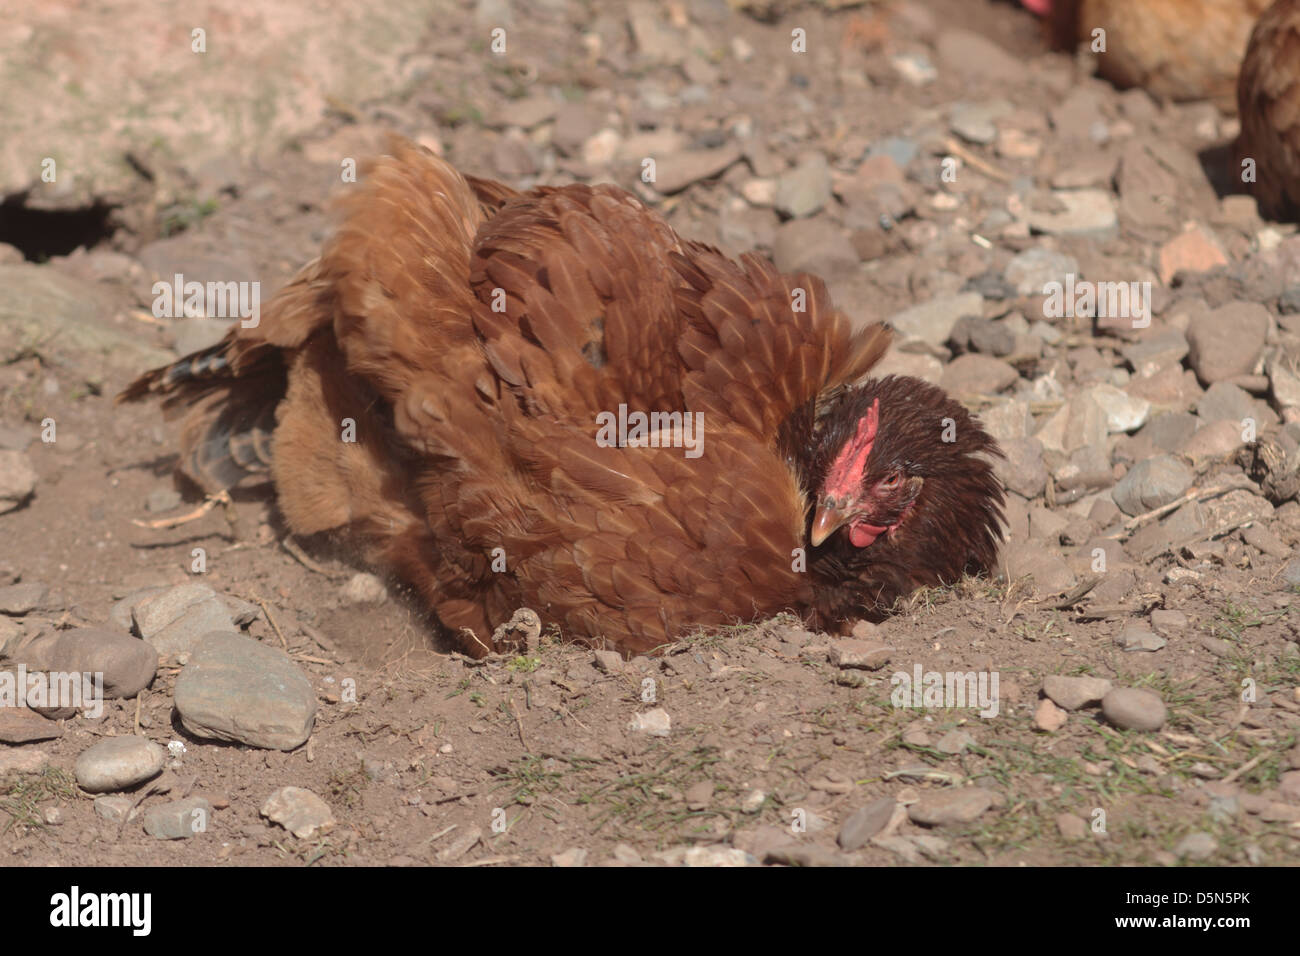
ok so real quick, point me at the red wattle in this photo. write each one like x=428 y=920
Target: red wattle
x=861 y=535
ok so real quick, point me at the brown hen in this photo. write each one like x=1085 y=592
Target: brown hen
x=438 y=386
x=1268 y=97
x=1175 y=49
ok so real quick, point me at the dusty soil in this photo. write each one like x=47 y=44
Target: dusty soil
x=520 y=760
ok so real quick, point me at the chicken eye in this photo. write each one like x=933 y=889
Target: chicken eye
x=890 y=482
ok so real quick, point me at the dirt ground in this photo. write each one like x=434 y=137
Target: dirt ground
x=773 y=747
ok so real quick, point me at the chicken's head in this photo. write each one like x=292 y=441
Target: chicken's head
x=872 y=495
x=898 y=450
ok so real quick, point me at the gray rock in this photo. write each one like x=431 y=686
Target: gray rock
x=1007 y=420
x=863 y=655
x=817 y=245
x=804 y=190
x=1258 y=536
x=1022 y=470
x=974 y=122
x=115 y=809
x=1166 y=623
x=17 y=480
x=117 y=763
x=863 y=824
x=127 y=664
x=1217 y=440
x=1291 y=572
x=1134 y=708
x=1228 y=341
x=1047 y=568
x=1086 y=213
x=298 y=810
x=1152 y=483
x=932 y=321
x=238 y=689
x=1168 y=431
x=952 y=806
x=178 y=819
x=1030 y=271
x=656 y=723
x=675 y=172
x=1072 y=693
x=1124 y=413
x=1166 y=348
x=20 y=599
x=1138 y=637
x=174 y=621
x=974 y=374
x=162 y=499
x=990 y=338
x=1225 y=402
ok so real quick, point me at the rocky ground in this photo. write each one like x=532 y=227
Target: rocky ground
x=942 y=170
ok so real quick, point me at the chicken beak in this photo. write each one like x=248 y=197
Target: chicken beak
x=825 y=522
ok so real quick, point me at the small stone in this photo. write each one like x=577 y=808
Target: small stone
x=975 y=374
x=818 y=245
x=1023 y=469
x=163 y=499
x=611 y=662
x=20 y=599
x=1167 y=623
x=863 y=655
x=179 y=819
x=1124 y=413
x=1030 y=272
x=1071 y=827
x=699 y=795
x=1048 y=569
x=1152 y=483
x=1227 y=342
x=1073 y=693
x=298 y=810
x=1216 y=441
x=175 y=620
x=573 y=856
x=1136 y=637
x=17 y=480
x=364 y=589
x=1134 y=708
x=1087 y=213
x=1194 y=250
x=20 y=725
x=115 y=809
x=655 y=722
x=1196 y=846
x=805 y=189
x=932 y=322
x=678 y=170
x=954 y=742
x=950 y=806
x=117 y=763
x=1049 y=717
x=753 y=801
x=865 y=823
